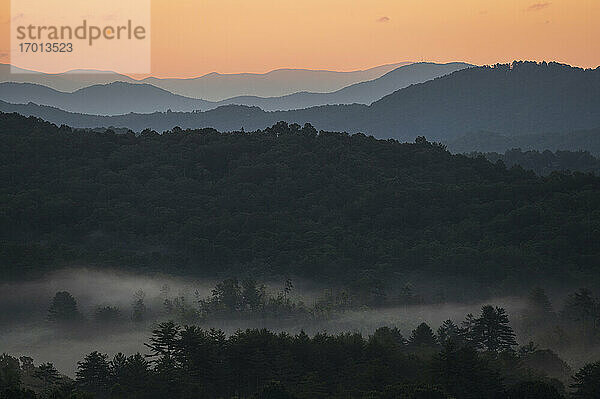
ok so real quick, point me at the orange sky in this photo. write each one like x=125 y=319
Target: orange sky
x=191 y=38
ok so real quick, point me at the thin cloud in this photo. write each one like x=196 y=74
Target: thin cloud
x=538 y=6
x=383 y=19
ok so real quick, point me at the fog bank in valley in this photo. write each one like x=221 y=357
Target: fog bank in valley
x=25 y=330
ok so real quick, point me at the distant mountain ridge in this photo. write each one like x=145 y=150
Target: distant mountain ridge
x=67 y=82
x=279 y=82
x=545 y=162
x=213 y=86
x=577 y=140
x=517 y=99
x=358 y=93
x=121 y=97
x=106 y=99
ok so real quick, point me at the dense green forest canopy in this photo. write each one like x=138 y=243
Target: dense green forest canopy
x=287 y=200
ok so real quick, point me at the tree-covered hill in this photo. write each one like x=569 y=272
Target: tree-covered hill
x=516 y=98
x=287 y=201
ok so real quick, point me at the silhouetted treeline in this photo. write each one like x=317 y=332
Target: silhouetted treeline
x=565 y=140
x=546 y=162
x=287 y=201
x=478 y=358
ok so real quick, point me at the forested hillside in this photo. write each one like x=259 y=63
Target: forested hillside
x=515 y=99
x=288 y=200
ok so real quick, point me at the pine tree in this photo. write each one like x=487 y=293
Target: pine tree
x=163 y=342
x=467 y=330
x=137 y=375
x=422 y=337
x=118 y=369
x=448 y=331
x=387 y=338
x=492 y=331
x=139 y=308
x=63 y=308
x=93 y=374
x=251 y=294
x=539 y=312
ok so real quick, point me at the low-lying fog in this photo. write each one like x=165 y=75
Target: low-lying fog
x=24 y=330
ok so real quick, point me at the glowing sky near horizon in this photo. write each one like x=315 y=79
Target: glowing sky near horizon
x=191 y=38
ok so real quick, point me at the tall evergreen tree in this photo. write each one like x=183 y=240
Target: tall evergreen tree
x=492 y=331
x=93 y=374
x=448 y=331
x=422 y=337
x=251 y=294
x=63 y=308
x=163 y=342
x=139 y=308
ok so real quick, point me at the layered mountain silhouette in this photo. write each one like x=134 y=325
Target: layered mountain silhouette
x=358 y=93
x=68 y=81
x=512 y=99
x=109 y=99
x=121 y=97
x=280 y=82
x=212 y=86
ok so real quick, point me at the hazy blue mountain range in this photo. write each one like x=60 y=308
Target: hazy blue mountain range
x=280 y=82
x=358 y=93
x=213 y=86
x=68 y=81
x=517 y=99
x=106 y=99
x=121 y=97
